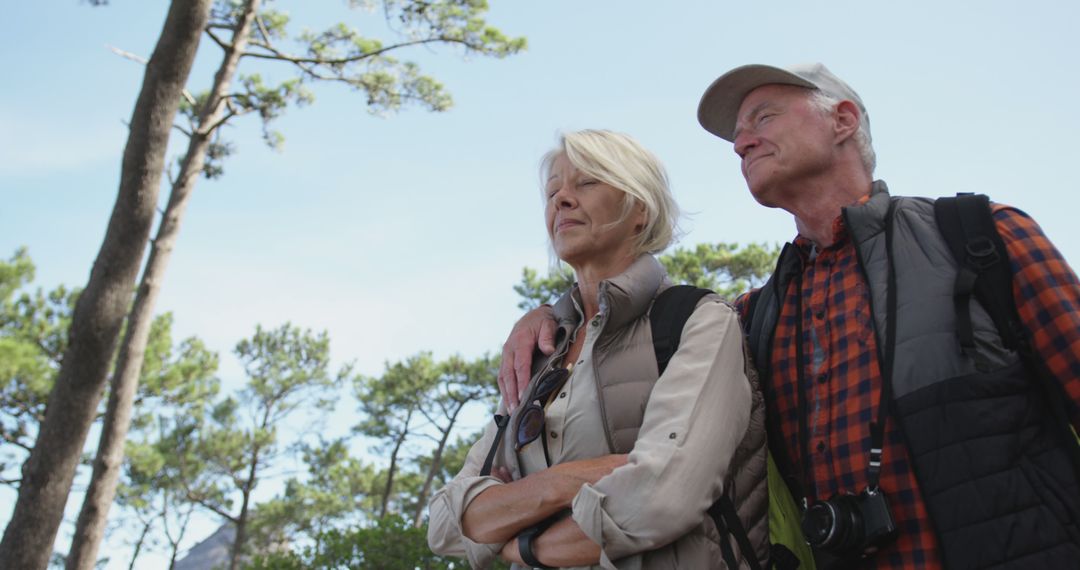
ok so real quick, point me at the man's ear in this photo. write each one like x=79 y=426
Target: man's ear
x=847 y=120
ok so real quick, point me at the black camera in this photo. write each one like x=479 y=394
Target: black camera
x=850 y=526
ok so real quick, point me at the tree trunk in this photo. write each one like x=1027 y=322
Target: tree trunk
x=90 y=528
x=241 y=521
x=436 y=463
x=393 y=466
x=99 y=313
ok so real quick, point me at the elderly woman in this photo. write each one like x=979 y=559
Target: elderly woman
x=605 y=464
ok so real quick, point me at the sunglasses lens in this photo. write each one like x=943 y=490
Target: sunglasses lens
x=551 y=381
x=532 y=421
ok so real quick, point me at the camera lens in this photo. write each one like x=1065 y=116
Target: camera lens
x=834 y=525
x=818 y=524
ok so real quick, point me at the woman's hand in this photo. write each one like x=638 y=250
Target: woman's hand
x=511 y=552
x=561 y=545
x=535 y=329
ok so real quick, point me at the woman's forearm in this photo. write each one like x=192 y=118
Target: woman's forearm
x=560 y=546
x=501 y=512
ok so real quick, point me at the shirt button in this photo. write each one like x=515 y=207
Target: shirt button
x=581 y=361
x=595 y=321
x=671 y=435
x=823 y=377
x=819 y=315
x=821 y=447
x=554 y=435
x=563 y=395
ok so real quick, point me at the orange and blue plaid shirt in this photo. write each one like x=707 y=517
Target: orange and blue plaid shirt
x=843 y=371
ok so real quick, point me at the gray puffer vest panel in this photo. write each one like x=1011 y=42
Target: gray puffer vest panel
x=996 y=476
x=626 y=371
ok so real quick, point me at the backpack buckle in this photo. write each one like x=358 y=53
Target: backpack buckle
x=981 y=252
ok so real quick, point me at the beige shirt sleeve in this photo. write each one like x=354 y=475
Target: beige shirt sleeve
x=697 y=414
x=449 y=503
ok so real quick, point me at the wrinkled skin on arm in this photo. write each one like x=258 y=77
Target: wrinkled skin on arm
x=560 y=546
x=501 y=512
x=534 y=330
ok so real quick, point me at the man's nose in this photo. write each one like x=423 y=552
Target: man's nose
x=744 y=141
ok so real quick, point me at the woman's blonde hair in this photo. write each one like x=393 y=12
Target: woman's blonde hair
x=621 y=162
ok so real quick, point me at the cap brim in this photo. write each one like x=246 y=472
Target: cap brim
x=719 y=107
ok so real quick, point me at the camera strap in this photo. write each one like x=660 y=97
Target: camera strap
x=886 y=356
x=886 y=363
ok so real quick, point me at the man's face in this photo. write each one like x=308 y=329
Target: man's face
x=784 y=141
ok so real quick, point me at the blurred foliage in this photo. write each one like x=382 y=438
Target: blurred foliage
x=389 y=543
x=725 y=268
x=339 y=53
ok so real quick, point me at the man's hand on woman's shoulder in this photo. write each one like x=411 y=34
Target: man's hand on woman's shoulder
x=535 y=329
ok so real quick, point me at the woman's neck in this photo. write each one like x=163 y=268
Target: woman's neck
x=589 y=276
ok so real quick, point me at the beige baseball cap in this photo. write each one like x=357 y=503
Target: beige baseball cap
x=719 y=106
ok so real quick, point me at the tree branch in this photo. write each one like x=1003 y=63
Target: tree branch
x=182 y=129
x=431 y=437
x=207 y=131
x=277 y=54
x=430 y=420
x=143 y=60
x=262 y=28
x=204 y=503
x=220 y=42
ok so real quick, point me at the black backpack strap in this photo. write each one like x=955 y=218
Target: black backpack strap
x=668 y=316
x=500 y=427
x=967 y=224
x=727 y=521
x=763 y=314
x=782 y=558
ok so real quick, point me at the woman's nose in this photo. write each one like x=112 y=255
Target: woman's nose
x=563 y=197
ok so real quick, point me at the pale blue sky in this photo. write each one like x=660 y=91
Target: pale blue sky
x=407 y=233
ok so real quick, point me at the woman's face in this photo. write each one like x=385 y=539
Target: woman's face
x=581 y=213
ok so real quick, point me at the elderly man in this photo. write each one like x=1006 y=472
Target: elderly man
x=918 y=430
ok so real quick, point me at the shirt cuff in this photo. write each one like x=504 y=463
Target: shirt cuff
x=589 y=514
x=456 y=497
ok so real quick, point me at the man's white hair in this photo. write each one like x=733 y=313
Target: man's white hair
x=827 y=104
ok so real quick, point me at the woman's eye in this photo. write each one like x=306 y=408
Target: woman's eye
x=588 y=182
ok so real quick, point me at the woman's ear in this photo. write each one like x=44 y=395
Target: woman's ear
x=640 y=215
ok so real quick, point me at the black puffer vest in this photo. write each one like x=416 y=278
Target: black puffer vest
x=995 y=473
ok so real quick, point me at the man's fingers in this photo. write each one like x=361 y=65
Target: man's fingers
x=506 y=378
x=535 y=329
x=546 y=341
x=522 y=370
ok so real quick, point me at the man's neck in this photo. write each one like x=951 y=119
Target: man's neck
x=820 y=205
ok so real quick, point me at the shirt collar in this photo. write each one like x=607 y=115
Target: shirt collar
x=840 y=235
